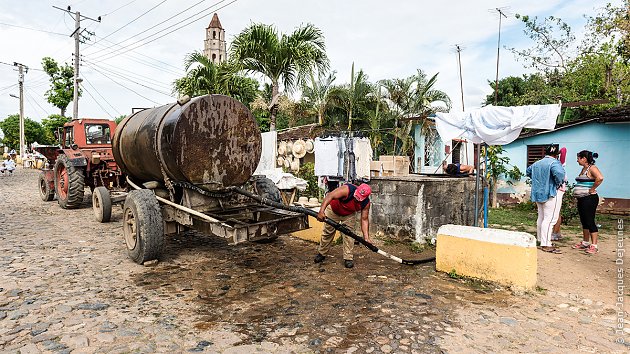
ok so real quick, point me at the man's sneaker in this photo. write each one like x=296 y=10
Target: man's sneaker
x=579 y=246
x=348 y=263
x=591 y=250
x=319 y=258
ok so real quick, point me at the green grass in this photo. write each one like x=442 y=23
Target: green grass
x=523 y=218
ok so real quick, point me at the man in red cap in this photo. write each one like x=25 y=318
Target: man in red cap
x=341 y=205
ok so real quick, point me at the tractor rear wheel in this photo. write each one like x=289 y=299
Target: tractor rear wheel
x=101 y=204
x=45 y=192
x=143 y=227
x=69 y=183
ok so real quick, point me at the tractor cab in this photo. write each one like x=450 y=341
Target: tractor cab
x=87 y=134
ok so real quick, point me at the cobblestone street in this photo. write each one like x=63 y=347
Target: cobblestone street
x=66 y=285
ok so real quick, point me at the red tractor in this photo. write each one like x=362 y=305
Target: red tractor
x=83 y=159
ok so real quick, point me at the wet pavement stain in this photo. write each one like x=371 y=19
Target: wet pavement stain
x=274 y=292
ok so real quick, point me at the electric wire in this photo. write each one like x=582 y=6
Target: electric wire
x=125 y=5
x=28 y=93
x=145 y=62
x=136 y=76
x=116 y=52
x=28 y=99
x=98 y=93
x=137 y=34
x=133 y=81
x=32 y=29
x=96 y=101
x=119 y=84
x=134 y=20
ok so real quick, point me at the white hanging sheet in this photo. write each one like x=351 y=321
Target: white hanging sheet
x=268 y=157
x=363 y=157
x=496 y=125
x=327 y=159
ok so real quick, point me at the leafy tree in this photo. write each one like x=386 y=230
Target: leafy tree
x=33 y=131
x=283 y=59
x=413 y=97
x=316 y=93
x=51 y=124
x=354 y=96
x=205 y=77
x=61 y=89
x=497 y=167
x=119 y=119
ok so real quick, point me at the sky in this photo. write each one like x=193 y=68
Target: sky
x=386 y=39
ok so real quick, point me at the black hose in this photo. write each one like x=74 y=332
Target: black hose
x=342 y=228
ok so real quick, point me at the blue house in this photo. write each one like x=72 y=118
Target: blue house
x=607 y=133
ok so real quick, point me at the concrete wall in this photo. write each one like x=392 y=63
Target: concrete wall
x=414 y=207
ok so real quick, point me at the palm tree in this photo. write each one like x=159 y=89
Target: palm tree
x=413 y=97
x=282 y=58
x=352 y=96
x=317 y=95
x=205 y=77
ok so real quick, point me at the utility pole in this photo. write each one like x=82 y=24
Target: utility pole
x=77 y=34
x=461 y=79
x=496 y=82
x=22 y=69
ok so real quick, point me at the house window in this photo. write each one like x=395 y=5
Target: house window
x=214 y=34
x=535 y=153
x=214 y=57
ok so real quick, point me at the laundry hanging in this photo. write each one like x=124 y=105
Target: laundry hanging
x=496 y=125
x=327 y=157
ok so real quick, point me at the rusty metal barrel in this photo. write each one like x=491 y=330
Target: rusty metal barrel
x=212 y=141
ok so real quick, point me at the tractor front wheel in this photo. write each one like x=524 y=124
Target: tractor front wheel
x=69 y=183
x=143 y=227
x=45 y=192
x=102 y=204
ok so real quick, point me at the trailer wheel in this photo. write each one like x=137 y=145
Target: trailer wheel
x=45 y=192
x=101 y=204
x=267 y=189
x=69 y=183
x=143 y=227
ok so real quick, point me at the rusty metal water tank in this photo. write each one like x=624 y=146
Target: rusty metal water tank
x=212 y=141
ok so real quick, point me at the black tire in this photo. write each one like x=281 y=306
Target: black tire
x=45 y=192
x=102 y=204
x=267 y=189
x=69 y=183
x=143 y=227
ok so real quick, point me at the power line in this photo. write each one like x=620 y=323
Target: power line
x=134 y=20
x=123 y=72
x=27 y=93
x=127 y=4
x=32 y=29
x=97 y=102
x=98 y=93
x=28 y=99
x=116 y=52
x=135 y=82
x=119 y=84
x=136 y=35
x=147 y=63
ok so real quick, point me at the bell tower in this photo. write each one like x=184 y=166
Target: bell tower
x=214 y=45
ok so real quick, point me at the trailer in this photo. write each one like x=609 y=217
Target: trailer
x=182 y=162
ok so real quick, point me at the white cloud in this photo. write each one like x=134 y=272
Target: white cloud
x=386 y=39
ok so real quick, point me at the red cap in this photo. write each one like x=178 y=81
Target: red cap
x=363 y=191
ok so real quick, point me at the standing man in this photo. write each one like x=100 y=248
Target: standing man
x=341 y=205
x=547 y=176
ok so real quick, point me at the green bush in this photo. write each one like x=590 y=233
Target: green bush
x=569 y=205
x=307 y=172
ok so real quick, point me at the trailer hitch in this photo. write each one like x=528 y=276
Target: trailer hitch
x=340 y=227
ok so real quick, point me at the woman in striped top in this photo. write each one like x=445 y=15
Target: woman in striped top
x=587 y=199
